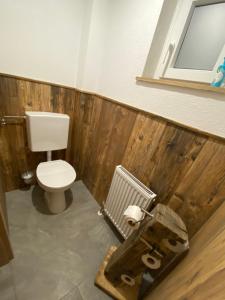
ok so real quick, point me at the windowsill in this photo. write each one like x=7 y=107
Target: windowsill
x=183 y=84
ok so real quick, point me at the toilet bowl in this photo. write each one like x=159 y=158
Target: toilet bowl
x=55 y=177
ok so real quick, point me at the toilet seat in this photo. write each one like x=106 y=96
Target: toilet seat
x=55 y=174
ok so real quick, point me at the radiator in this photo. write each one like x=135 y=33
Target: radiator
x=125 y=190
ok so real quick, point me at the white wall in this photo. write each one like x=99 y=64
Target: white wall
x=100 y=46
x=41 y=39
x=99 y=20
x=129 y=33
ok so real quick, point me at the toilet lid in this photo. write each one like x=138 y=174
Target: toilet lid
x=56 y=173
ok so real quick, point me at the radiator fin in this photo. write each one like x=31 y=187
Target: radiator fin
x=125 y=190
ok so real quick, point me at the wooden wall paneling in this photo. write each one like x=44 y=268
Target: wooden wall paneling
x=92 y=109
x=35 y=96
x=82 y=112
x=201 y=274
x=202 y=190
x=176 y=152
x=143 y=143
x=12 y=150
x=113 y=152
x=103 y=137
x=16 y=137
x=89 y=107
x=158 y=153
x=75 y=143
x=99 y=144
x=92 y=123
x=5 y=248
x=10 y=178
x=2 y=197
x=9 y=97
x=17 y=96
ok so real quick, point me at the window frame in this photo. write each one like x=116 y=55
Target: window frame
x=178 y=28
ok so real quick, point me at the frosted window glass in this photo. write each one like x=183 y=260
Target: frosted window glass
x=204 y=39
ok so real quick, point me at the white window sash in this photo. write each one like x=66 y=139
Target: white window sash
x=174 y=41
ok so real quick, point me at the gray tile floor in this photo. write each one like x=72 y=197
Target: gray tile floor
x=56 y=256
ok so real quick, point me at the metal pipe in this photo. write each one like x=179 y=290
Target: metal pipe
x=49 y=155
x=147 y=213
x=4 y=119
x=14 y=117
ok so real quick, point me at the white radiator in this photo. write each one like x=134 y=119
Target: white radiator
x=125 y=190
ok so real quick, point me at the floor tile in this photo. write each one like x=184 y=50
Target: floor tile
x=90 y=292
x=74 y=294
x=7 y=291
x=56 y=256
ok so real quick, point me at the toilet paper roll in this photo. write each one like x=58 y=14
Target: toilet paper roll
x=150 y=261
x=175 y=246
x=133 y=215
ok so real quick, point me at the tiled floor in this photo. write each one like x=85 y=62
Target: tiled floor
x=56 y=256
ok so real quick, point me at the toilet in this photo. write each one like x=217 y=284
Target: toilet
x=49 y=132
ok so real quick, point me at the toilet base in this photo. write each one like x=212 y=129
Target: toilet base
x=56 y=201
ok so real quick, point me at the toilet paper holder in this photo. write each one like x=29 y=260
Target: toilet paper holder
x=159 y=245
x=4 y=120
x=145 y=212
x=144 y=215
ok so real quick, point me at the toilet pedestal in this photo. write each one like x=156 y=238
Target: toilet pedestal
x=55 y=177
x=56 y=201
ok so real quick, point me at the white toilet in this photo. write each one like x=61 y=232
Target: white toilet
x=47 y=132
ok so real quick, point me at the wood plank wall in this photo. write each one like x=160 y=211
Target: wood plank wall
x=16 y=96
x=184 y=167
x=201 y=275
x=6 y=253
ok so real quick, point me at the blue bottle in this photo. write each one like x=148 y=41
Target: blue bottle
x=220 y=75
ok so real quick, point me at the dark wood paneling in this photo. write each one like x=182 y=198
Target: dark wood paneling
x=5 y=248
x=107 y=146
x=181 y=166
x=202 y=189
x=185 y=168
x=17 y=96
x=2 y=198
x=201 y=275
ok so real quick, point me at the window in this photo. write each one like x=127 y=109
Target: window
x=195 y=43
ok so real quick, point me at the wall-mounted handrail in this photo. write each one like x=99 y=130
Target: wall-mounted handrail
x=4 y=119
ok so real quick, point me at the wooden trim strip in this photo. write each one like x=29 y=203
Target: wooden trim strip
x=182 y=84
x=37 y=81
x=193 y=129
